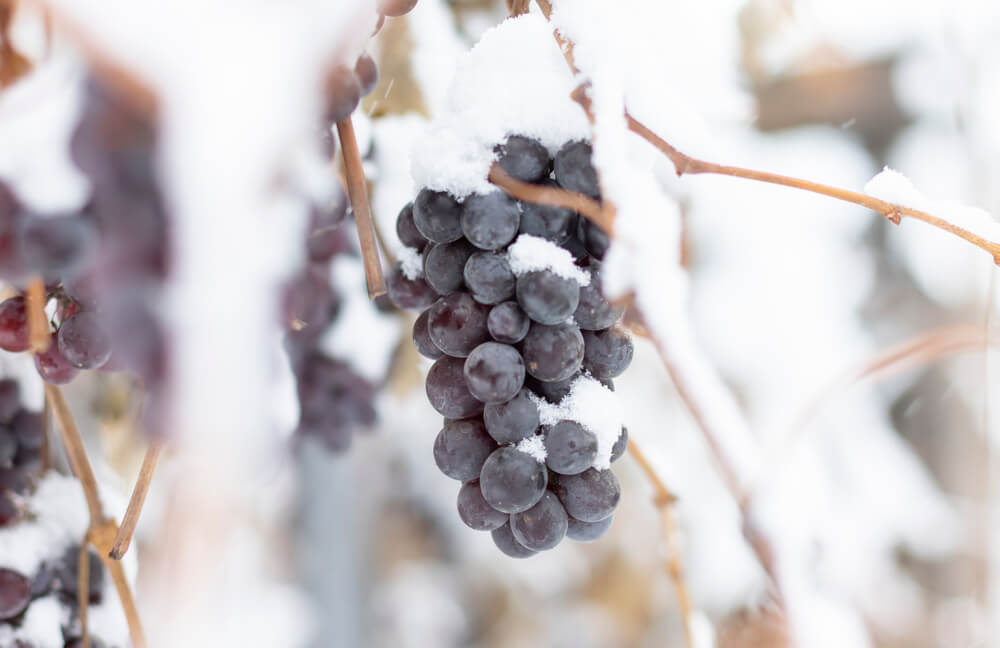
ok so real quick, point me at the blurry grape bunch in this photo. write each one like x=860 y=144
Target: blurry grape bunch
x=21 y=444
x=503 y=342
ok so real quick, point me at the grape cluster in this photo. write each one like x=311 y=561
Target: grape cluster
x=21 y=441
x=502 y=342
x=103 y=266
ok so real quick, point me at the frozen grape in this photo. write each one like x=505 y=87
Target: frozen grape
x=15 y=593
x=588 y=531
x=57 y=244
x=552 y=391
x=494 y=372
x=512 y=421
x=546 y=297
x=444 y=264
x=512 y=481
x=594 y=239
x=620 y=446
x=574 y=170
x=569 y=447
x=406 y=293
x=524 y=158
x=594 y=312
x=541 y=527
x=490 y=221
x=475 y=511
x=461 y=447
x=447 y=391
x=489 y=277
x=343 y=93
x=608 y=353
x=505 y=541
x=14 y=324
x=438 y=216
x=552 y=353
x=53 y=367
x=366 y=72
x=457 y=324
x=407 y=230
x=589 y=496
x=422 y=338
x=83 y=342
x=508 y=323
x=553 y=223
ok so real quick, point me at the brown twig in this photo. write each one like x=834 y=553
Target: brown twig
x=518 y=7
x=664 y=501
x=83 y=589
x=39 y=337
x=362 y=210
x=123 y=538
x=551 y=196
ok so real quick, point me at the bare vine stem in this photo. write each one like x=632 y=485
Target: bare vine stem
x=123 y=538
x=38 y=326
x=551 y=196
x=358 y=194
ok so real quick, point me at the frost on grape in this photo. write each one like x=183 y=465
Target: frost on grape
x=534 y=447
x=593 y=406
x=529 y=253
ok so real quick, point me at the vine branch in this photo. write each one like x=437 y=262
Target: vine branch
x=123 y=538
x=544 y=195
x=358 y=194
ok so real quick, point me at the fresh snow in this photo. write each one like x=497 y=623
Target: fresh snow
x=533 y=446
x=530 y=253
x=593 y=406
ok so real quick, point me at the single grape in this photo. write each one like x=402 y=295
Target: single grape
x=53 y=367
x=366 y=72
x=546 y=297
x=406 y=293
x=83 y=342
x=594 y=239
x=508 y=323
x=29 y=430
x=494 y=372
x=395 y=8
x=608 y=353
x=343 y=93
x=407 y=230
x=438 y=216
x=505 y=541
x=552 y=391
x=461 y=447
x=422 y=338
x=541 y=527
x=334 y=400
x=490 y=221
x=556 y=224
x=552 y=353
x=443 y=264
x=569 y=447
x=14 y=324
x=574 y=170
x=589 y=496
x=588 y=531
x=309 y=302
x=10 y=399
x=447 y=391
x=512 y=481
x=489 y=277
x=594 y=311
x=524 y=158
x=15 y=593
x=620 y=446
x=475 y=511
x=512 y=421
x=457 y=324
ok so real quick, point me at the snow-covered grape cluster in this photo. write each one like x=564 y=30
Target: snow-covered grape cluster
x=520 y=333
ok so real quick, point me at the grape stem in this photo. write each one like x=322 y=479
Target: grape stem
x=123 y=538
x=552 y=196
x=83 y=589
x=358 y=194
x=38 y=325
x=102 y=529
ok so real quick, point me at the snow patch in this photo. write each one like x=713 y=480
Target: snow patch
x=411 y=262
x=533 y=446
x=593 y=406
x=529 y=253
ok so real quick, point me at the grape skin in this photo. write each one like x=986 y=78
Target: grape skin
x=588 y=531
x=512 y=481
x=457 y=324
x=512 y=421
x=546 y=297
x=444 y=263
x=366 y=72
x=475 y=511
x=15 y=593
x=406 y=293
x=422 y=338
x=552 y=353
x=490 y=221
x=569 y=447
x=438 y=216
x=541 y=527
x=461 y=448
x=407 y=230
x=489 y=277
x=524 y=158
x=589 y=496
x=608 y=353
x=620 y=446
x=508 y=323
x=14 y=324
x=553 y=223
x=594 y=239
x=447 y=391
x=494 y=372
x=83 y=342
x=575 y=171
x=594 y=312
x=505 y=541
x=53 y=367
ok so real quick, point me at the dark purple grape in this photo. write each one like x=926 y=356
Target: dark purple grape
x=326 y=238
x=508 y=323
x=461 y=447
x=546 y=297
x=15 y=593
x=447 y=391
x=9 y=511
x=541 y=527
x=443 y=265
x=343 y=93
x=309 y=302
x=512 y=481
x=366 y=71
x=334 y=400
x=494 y=372
x=139 y=341
x=475 y=511
x=553 y=391
x=10 y=399
x=406 y=293
x=620 y=446
x=588 y=531
x=77 y=642
x=512 y=421
x=53 y=367
x=608 y=353
x=407 y=230
x=574 y=170
x=553 y=223
x=83 y=342
x=29 y=430
x=422 y=338
x=67 y=574
x=489 y=277
x=505 y=541
x=594 y=239
x=8 y=447
x=57 y=244
x=457 y=324
x=395 y=8
x=594 y=311
x=524 y=158
x=16 y=480
x=589 y=496
x=569 y=447
x=490 y=221
x=14 y=324
x=552 y=353
x=438 y=216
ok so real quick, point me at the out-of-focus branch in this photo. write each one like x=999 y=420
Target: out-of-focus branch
x=38 y=325
x=552 y=196
x=123 y=538
x=362 y=209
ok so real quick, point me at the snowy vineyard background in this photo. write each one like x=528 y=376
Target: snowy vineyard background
x=250 y=256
